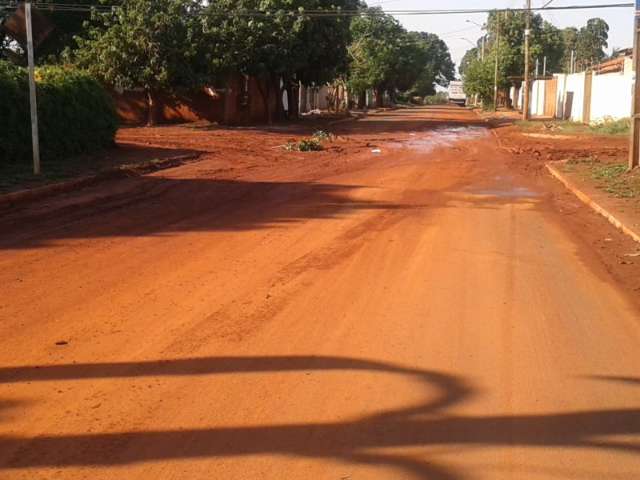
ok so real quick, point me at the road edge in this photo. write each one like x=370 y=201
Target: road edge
x=32 y=194
x=587 y=200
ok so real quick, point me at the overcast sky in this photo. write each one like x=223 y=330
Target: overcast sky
x=453 y=28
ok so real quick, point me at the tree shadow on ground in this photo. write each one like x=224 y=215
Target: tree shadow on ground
x=149 y=205
x=358 y=441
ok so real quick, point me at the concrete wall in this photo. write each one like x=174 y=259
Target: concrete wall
x=611 y=95
x=537 y=98
x=573 y=96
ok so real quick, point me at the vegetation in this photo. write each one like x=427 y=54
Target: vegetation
x=385 y=57
x=609 y=126
x=312 y=144
x=613 y=178
x=606 y=126
x=163 y=45
x=546 y=40
x=157 y=43
x=75 y=113
x=440 y=98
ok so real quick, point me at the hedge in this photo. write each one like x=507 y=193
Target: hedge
x=75 y=114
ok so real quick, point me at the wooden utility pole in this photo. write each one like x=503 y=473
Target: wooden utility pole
x=495 y=78
x=634 y=148
x=527 y=33
x=32 y=91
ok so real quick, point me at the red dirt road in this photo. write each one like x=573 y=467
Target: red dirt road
x=422 y=313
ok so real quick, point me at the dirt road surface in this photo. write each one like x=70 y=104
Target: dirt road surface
x=425 y=312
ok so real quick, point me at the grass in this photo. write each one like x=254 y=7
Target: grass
x=613 y=178
x=608 y=127
x=14 y=176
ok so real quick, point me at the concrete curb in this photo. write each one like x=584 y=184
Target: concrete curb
x=24 y=196
x=590 y=201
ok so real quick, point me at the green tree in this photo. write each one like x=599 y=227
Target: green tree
x=479 y=79
x=546 y=41
x=385 y=57
x=148 y=44
x=570 y=43
x=469 y=57
x=279 y=47
x=439 y=69
x=591 y=41
x=374 y=52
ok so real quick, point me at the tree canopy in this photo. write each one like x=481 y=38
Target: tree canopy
x=160 y=45
x=546 y=42
x=384 y=56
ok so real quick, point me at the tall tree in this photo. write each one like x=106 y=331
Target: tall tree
x=385 y=57
x=374 y=52
x=439 y=69
x=148 y=44
x=591 y=41
x=570 y=44
x=280 y=46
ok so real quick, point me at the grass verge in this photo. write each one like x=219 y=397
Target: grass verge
x=606 y=127
x=614 y=178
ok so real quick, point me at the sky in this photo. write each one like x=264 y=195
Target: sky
x=457 y=32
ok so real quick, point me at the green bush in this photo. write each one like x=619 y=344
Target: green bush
x=75 y=114
x=440 y=98
x=609 y=126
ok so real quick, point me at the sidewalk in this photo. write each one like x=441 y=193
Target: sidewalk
x=607 y=188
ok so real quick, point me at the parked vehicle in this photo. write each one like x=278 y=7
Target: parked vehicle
x=456 y=93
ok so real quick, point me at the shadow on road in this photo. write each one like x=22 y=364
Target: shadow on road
x=354 y=441
x=162 y=206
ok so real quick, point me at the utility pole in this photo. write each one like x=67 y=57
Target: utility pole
x=495 y=78
x=32 y=91
x=544 y=66
x=634 y=150
x=527 y=32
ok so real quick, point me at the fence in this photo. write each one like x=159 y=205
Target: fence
x=581 y=97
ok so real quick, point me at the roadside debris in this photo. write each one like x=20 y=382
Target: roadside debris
x=376 y=150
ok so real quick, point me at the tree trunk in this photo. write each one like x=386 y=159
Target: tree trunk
x=151 y=108
x=263 y=88
x=280 y=111
x=292 y=97
x=231 y=100
x=379 y=97
x=302 y=99
x=362 y=99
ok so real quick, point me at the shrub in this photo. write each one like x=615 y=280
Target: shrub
x=440 y=98
x=309 y=145
x=75 y=113
x=609 y=126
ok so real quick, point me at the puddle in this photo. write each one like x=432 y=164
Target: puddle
x=511 y=192
x=440 y=137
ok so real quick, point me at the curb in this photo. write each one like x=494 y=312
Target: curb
x=590 y=201
x=24 y=196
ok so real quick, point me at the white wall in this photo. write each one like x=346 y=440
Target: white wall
x=575 y=89
x=537 y=98
x=561 y=78
x=611 y=95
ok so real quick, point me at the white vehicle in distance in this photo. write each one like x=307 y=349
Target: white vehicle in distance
x=456 y=93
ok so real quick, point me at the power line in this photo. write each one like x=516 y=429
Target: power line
x=60 y=7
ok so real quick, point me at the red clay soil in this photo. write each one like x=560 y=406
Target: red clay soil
x=430 y=311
